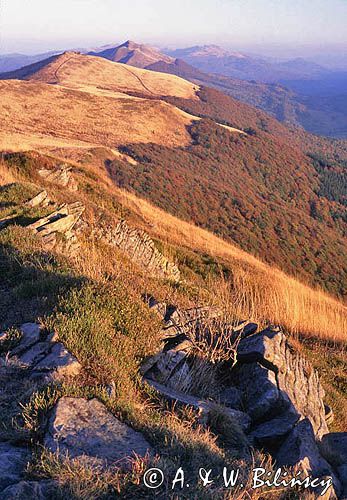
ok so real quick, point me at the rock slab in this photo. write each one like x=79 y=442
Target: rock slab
x=86 y=429
x=13 y=461
x=30 y=490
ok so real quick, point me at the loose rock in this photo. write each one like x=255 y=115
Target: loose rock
x=30 y=335
x=204 y=407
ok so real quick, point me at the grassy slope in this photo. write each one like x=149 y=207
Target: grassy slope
x=94 y=303
x=260 y=189
x=74 y=70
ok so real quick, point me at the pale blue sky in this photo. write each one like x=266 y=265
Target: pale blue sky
x=40 y=25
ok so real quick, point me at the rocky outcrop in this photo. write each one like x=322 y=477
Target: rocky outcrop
x=44 y=358
x=61 y=176
x=140 y=248
x=300 y=450
x=60 y=222
x=284 y=379
x=41 y=199
x=271 y=382
x=86 y=430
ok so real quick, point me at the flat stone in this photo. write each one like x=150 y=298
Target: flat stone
x=300 y=450
x=30 y=335
x=203 y=406
x=272 y=432
x=87 y=429
x=13 y=461
x=60 y=361
x=333 y=447
x=30 y=490
x=35 y=354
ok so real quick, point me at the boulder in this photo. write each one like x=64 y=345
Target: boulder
x=31 y=334
x=295 y=379
x=60 y=362
x=30 y=490
x=342 y=473
x=35 y=354
x=40 y=199
x=333 y=447
x=61 y=176
x=261 y=396
x=87 y=429
x=13 y=461
x=270 y=434
x=231 y=396
x=300 y=450
x=202 y=406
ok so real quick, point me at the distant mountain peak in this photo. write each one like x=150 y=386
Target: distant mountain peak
x=134 y=54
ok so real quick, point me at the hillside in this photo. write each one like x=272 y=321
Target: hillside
x=69 y=118
x=130 y=337
x=259 y=188
x=79 y=71
x=273 y=98
x=87 y=297
x=262 y=190
x=294 y=91
x=300 y=94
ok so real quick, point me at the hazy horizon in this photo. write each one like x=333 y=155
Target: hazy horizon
x=271 y=28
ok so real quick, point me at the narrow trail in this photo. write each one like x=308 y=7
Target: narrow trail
x=139 y=79
x=59 y=68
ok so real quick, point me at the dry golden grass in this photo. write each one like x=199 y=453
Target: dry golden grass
x=35 y=114
x=73 y=70
x=257 y=290
x=6 y=176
